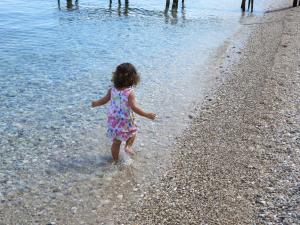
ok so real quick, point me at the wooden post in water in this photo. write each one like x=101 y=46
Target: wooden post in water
x=167 y=5
x=183 y=11
x=250 y=2
x=119 y=7
x=126 y=7
x=175 y=5
x=69 y=4
x=243 y=5
x=295 y=3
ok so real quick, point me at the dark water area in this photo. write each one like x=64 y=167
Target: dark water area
x=55 y=60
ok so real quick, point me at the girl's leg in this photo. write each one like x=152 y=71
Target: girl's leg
x=128 y=145
x=115 y=149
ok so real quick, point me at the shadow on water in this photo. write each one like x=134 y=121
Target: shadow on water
x=82 y=164
x=279 y=10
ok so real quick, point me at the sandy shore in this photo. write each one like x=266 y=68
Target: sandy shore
x=239 y=162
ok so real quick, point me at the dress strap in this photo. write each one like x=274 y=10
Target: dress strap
x=127 y=91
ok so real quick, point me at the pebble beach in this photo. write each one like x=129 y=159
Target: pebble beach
x=238 y=161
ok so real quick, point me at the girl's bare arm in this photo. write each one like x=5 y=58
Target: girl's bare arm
x=102 y=101
x=138 y=110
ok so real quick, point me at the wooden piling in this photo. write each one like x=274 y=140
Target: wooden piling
x=126 y=7
x=69 y=4
x=250 y=2
x=175 y=5
x=295 y=3
x=167 y=5
x=250 y=5
x=243 y=5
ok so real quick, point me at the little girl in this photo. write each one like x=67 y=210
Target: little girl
x=121 y=119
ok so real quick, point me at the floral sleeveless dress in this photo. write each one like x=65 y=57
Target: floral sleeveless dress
x=121 y=120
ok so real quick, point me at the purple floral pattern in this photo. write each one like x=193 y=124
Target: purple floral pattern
x=121 y=121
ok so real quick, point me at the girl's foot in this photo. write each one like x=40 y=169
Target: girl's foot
x=129 y=150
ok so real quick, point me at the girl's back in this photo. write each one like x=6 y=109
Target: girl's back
x=119 y=107
x=120 y=122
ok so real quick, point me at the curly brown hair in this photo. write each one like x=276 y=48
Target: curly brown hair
x=125 y=76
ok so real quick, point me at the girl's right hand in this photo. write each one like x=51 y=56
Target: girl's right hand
x=151 y=116
x=94 y=104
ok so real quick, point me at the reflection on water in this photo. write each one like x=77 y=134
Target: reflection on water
x=126 y=10
x=70 y=5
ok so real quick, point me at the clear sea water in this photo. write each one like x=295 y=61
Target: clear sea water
x=54 y=61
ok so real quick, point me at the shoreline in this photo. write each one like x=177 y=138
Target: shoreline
x=240 y=163
x=72 y=212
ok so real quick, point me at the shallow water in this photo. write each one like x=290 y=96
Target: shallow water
x=54 y=61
